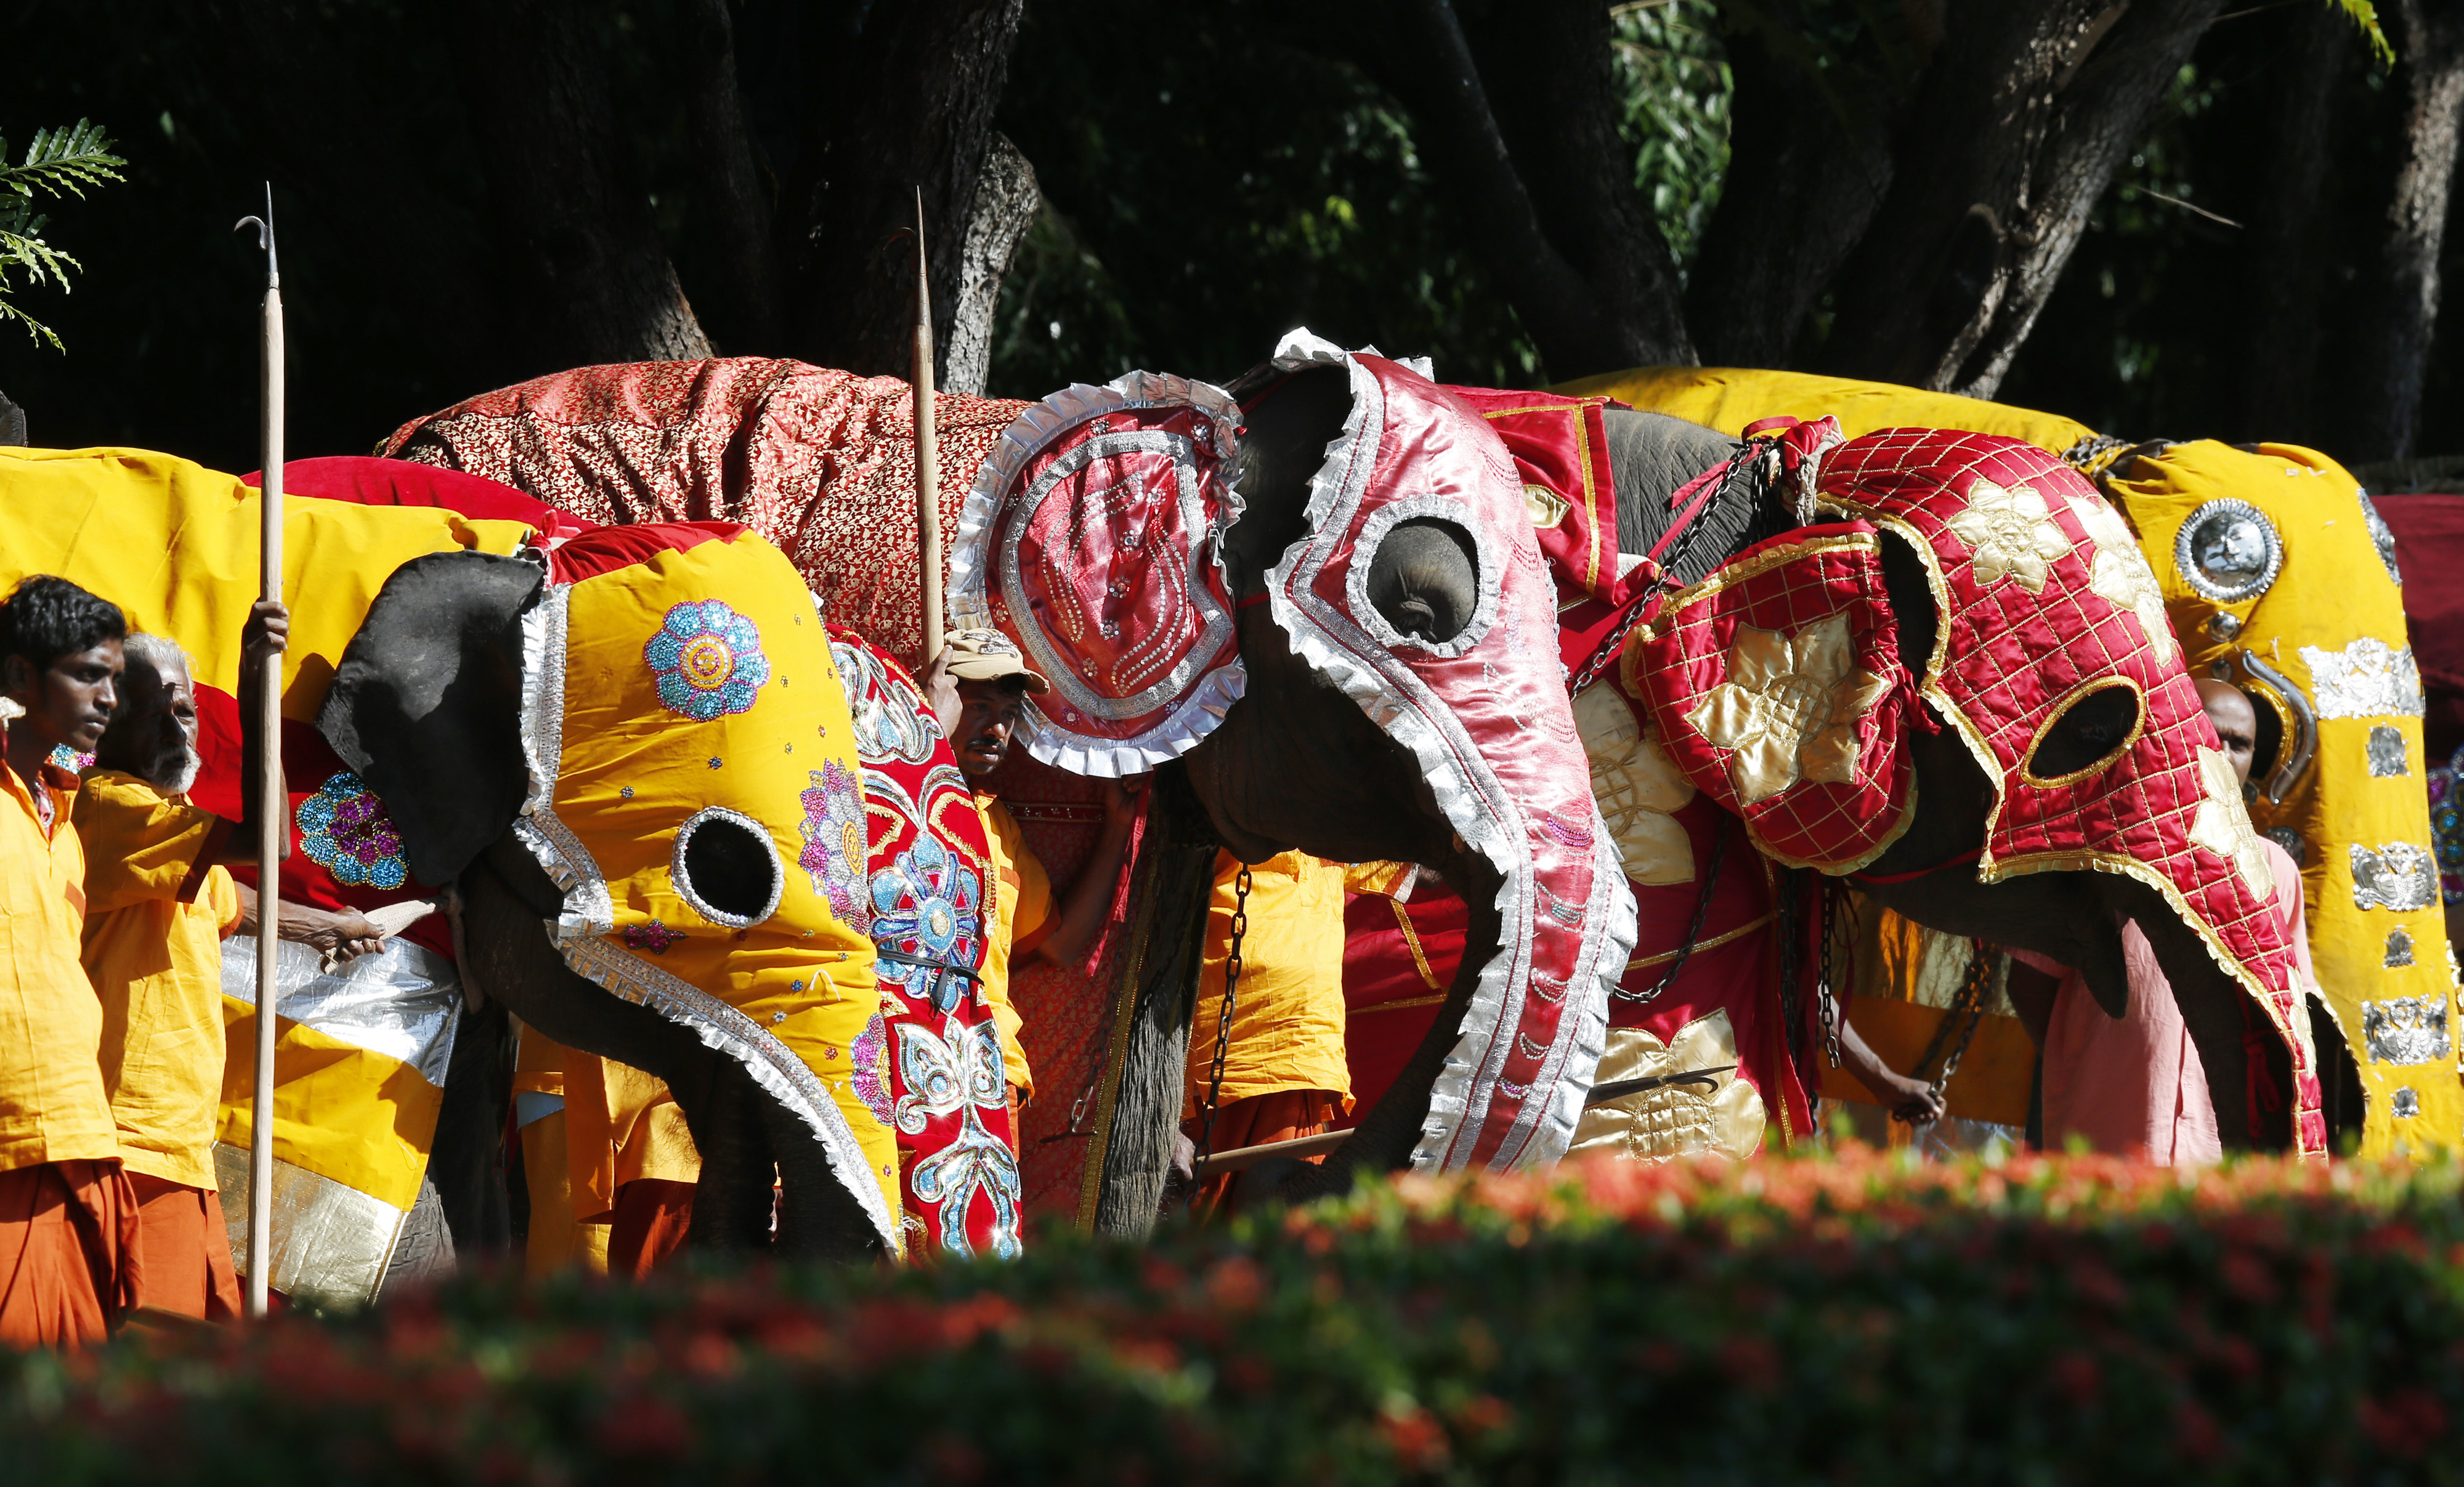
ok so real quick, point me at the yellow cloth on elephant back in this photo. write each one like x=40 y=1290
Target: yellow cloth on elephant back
x=2271 y=565
x=1729 y=398
x=692 y=757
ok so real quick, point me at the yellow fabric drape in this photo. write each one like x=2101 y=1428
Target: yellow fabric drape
x=1728 y=398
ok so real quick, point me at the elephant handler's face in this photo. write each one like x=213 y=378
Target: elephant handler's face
x=988 y=716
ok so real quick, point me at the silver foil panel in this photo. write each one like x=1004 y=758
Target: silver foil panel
x=404 y=1001
x=2382 y=538
x=2368 y=678
x=2405 y=1103
x=2399 y=876
x=2405 y=1029
x=330 y=1243
x=2399 y=950
x=2228 y=550
x=2386 y=753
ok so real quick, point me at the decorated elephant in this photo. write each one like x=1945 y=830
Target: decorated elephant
x=1345 y=609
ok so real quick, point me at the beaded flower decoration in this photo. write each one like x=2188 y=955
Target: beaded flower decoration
x=343 y=828
x=708 y=660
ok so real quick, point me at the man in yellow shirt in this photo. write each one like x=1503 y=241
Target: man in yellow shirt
x=159 y=903
x=67 y=1218
x=977 y=688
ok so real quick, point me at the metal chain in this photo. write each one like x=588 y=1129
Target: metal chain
x=1970 y=1002
x=1693 y=930
x=1832 y=913
x=1222 y=1026
x=1640 y=605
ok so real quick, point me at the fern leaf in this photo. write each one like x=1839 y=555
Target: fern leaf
x=66 y=160
x=2365 y=14
x=34 y=328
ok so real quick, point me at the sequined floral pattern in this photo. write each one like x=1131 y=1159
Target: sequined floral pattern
x=870 y=1056
x=834 y=849
x=2447 y=828
x=655 y=937
x=343 y=828
x=708 y=659
x=925 y=904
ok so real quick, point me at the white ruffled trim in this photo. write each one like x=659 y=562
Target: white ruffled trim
x=587 y=916
x=973 y=569
x=1463 y=787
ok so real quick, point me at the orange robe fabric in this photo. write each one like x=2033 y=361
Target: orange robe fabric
x=1023 y=910
x=69 y=1266
x=183 y=1249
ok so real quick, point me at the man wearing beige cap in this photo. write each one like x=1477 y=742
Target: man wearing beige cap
x=979 y=687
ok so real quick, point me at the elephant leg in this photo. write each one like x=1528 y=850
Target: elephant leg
x=465 y=1161
x=818 y=1217
x=733 y=1199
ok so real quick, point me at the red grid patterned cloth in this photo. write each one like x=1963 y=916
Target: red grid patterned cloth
x=2041 y=607
x=821 y=463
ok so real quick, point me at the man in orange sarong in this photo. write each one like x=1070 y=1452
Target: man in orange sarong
x=159 y=902
x=978 y=689
x=69 y=1267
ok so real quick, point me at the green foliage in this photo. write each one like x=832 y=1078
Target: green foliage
x=1860 y=1320
x=1674 y=77
x=2365 y=16
x=57 y=162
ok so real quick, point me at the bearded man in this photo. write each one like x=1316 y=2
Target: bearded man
x=159 y=903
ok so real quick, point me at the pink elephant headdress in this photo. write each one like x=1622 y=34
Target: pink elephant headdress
x=1487 y=717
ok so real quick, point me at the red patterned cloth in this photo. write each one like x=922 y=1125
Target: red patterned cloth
x=1560 y=448
x=821 y=463
x=2047 y=599
x=1776 y=686
x=931 y=1062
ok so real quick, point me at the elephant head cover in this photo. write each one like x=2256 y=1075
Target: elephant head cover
x=2048 y=606
x=687 y=737
x=1485 y=714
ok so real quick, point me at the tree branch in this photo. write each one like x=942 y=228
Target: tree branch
x=1007 y=203
x=2400 y=311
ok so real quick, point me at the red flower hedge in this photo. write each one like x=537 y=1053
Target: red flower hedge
x=1849 y=1320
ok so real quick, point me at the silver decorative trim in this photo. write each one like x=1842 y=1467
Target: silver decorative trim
x=2228 y=550
x=2405 y=1103
x=1473 y=801
x=1364 y=551
x=2386 y=753
x=691 y=894
x=587 y=916
x=2304 y=746
x=2399 y=950
x=2381 y=536
x=2368 y=678
x=403 y=1001
x=2399 y=876
x=972 y=563
x=331 y=1242
x=2405 y=1029
x=2224 y=626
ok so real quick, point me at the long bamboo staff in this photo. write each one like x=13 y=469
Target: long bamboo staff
x=270 y=797
x=928 y=451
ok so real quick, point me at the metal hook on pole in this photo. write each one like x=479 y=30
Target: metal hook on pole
x=267 y=726
x=928 y=453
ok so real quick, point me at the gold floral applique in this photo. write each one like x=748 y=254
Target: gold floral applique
x=1637 y=787
x=1716 y=1112
x=2010 y=534
x=1544 y=507
x=2222 y=824
x=2121 y=575
x=1789 y=708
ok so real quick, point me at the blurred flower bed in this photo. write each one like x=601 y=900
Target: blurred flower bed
x=1848 y=1318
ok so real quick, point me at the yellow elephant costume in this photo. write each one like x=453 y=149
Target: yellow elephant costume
x=690 y=743
x=359 y=1056
x=2281 y=580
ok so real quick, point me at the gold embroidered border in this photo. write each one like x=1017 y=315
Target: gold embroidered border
x=1641 y=962
x=1419 y=961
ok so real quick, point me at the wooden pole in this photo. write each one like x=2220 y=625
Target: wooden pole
x=268 y=723
x=928 y=453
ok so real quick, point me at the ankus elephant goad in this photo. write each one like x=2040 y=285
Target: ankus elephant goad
x=1936 y=661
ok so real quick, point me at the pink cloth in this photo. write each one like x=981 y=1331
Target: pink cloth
x=2134 y=1087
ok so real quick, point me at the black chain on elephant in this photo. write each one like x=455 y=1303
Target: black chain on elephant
x=1223 y=1028
x=1968 y=1005
x=1681 y=543
x=1693 y=930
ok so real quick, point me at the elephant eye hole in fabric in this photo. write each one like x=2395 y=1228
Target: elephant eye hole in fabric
x=2088 y=731
x=727 y=869
x=1425 y=579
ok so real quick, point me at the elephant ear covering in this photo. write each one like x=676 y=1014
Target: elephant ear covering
x=2047 y=604
x=688 y=740
x=1778 y=688
x=1485 y=714
x=1092 y=538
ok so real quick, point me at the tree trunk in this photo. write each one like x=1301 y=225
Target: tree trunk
x=1548 y=70
x=2286 y=275
x=590 y=281
x=1807 y=166
x=916 y=109
x=732 y=201
x=2022 y=116
x=1007 y=203
x=2401 y=315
